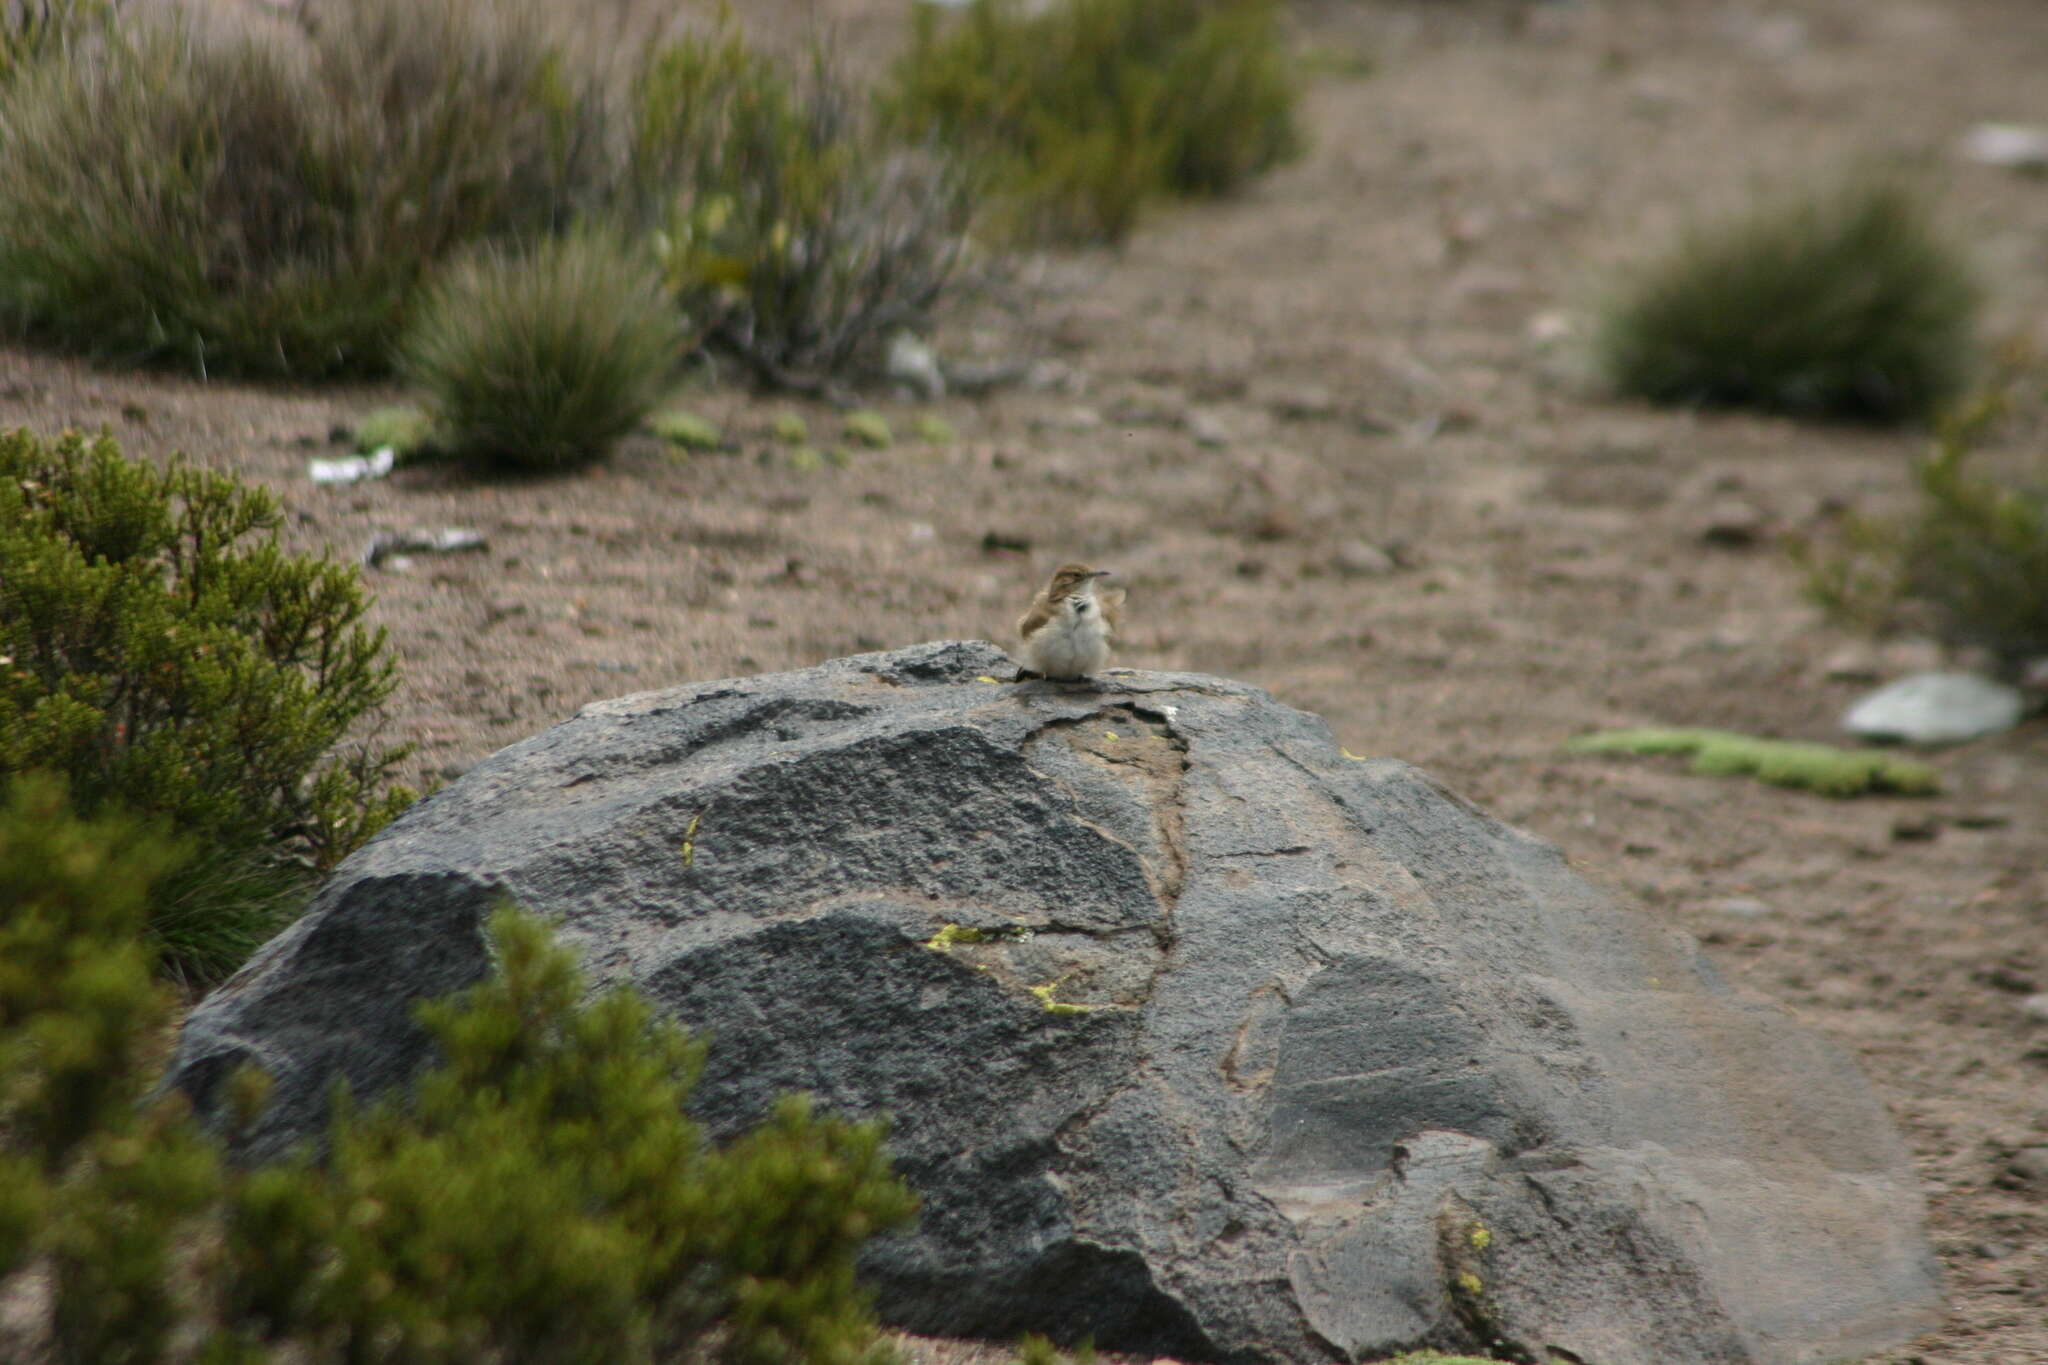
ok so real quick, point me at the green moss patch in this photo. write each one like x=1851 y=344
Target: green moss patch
x=1821 y=768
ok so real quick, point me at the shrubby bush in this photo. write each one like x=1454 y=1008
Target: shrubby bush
x=1967 y=565
x=1086 y=110
x=792 y=228
x=1843 y=304
x=266 y=200
x=239 y=201
x=162 y=652
x=94 y=1181
x=542 y=358
x=541 y=1198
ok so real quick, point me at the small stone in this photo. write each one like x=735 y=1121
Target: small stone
x=1207 y=429
x=2030 y=1165
x=1983 y=819
x=1733 y=523
x=911 y=361
x=1362 y=559
x=973 y=378
x=2015 y=146
x=1305 y=403
x=2009 y=979
x=2035 y=1007
x=1148 y=406
x=1853 y=664
x=869 y=429
x=1741 y=907
x=353 y=468
x=1936 y=708
x=1551 y=326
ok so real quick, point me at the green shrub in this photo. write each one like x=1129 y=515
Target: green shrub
x=543 y=1198
x=162 y=652
x=1968 y=566
x=791 y=228
x=1845 y=304
x=238 y=200
x=93 y=1178
x=1085 y=110
x=543 y=358
x=1820 y=768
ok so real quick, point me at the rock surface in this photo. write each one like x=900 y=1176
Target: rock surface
x=1936 y=708
x=1237 y=1048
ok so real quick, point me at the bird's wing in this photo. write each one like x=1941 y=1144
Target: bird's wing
x=1112 y=602
x=1032 y=621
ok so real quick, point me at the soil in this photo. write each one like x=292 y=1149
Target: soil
x=1336 y=437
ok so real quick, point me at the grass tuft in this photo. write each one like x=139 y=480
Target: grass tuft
x=1967 y=565
x=542 y=359
x=406 y=429
x=236 y=200
x=797 y=231
x=1084 y=111
x=1845 y=304
x=869 y=429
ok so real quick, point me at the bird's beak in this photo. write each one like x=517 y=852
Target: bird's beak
x=1102 y=573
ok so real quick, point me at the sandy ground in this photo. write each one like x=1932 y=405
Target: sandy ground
x=1370 y=358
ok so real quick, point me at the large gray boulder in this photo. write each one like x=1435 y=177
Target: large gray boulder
x=1198 y=1034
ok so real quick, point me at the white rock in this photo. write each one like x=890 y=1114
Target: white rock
x=2016 y=146
x=914 y=363
x=1207 y=429
x=1362 y=559
x=1936 y=708
x=353 y=468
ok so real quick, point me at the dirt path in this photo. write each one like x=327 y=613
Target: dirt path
x=1361 y=355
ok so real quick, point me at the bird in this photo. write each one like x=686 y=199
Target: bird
x=1068 y=629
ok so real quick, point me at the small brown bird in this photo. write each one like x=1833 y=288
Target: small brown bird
x=1070 y=624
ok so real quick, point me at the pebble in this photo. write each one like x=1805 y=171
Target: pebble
x=1742 y=907
x=1936 y=708
x=911 y=361
x=2015 y=146
x=2035 y=1007
x=1362 y=559
x=1853 y=664
x=1733 y=523
x=1207 y=429
x=2030 y=1164
x=1302 y=403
